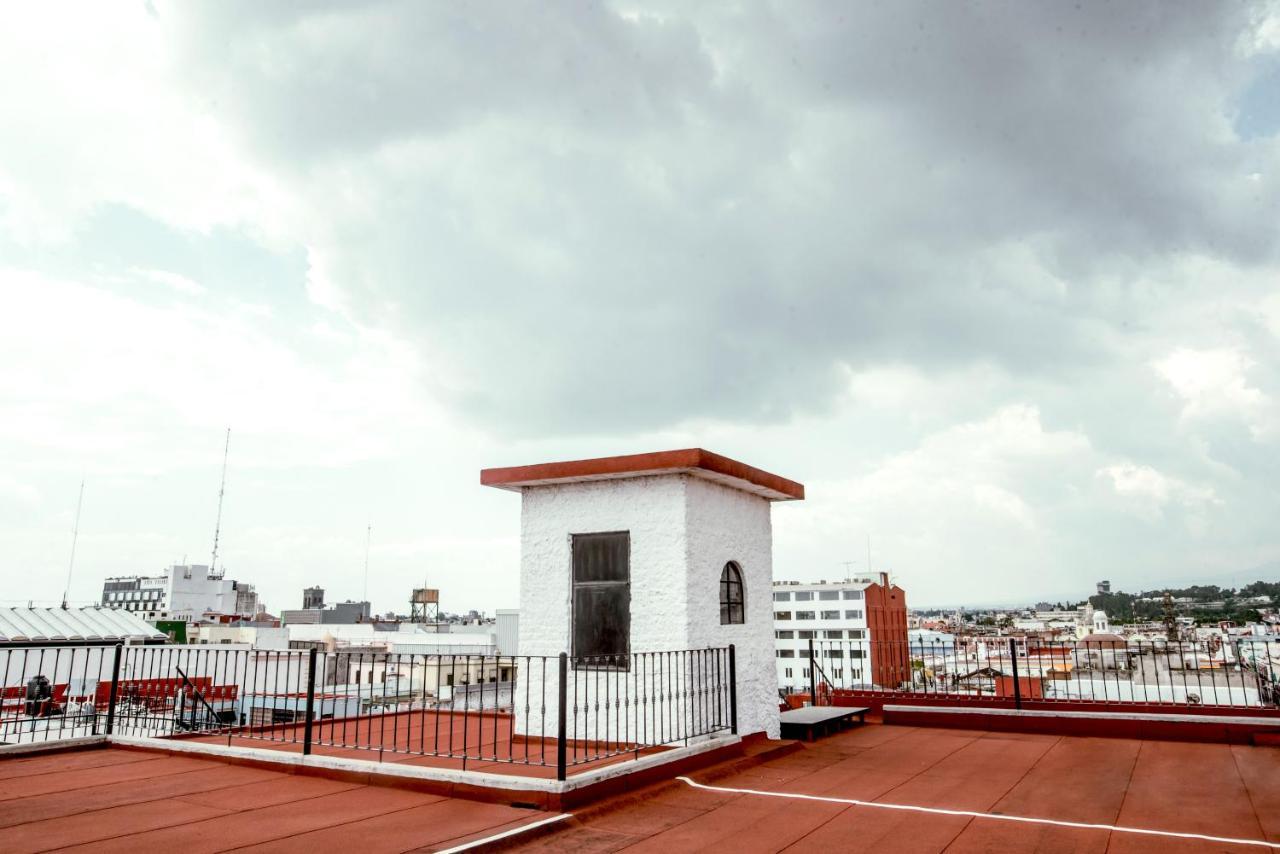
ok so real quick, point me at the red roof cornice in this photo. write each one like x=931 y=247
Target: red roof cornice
x=693 y=461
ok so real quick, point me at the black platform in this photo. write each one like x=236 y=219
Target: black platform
x=812 y=721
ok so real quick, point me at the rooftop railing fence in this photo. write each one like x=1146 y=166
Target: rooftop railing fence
x=1238 y=673
x=552 y=711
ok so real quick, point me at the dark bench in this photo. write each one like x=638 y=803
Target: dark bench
x=812 y=721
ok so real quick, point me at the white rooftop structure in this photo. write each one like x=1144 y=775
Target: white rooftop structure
x=26 y=626
x=649 y=553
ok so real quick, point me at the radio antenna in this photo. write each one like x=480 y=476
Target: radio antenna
x=217 y=526
x=75 y=535
x=368 y=535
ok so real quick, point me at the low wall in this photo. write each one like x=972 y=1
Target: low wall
x=1223 y=729
x=876 y=701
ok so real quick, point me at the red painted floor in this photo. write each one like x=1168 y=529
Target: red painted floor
x=118 y=800
x=1211 y=789
x=124 y=800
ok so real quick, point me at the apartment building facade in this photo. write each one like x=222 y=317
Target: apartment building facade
x=180 y=592
x=858 y=629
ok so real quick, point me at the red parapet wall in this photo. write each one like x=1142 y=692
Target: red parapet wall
x=1219 y=728
x=877 y=700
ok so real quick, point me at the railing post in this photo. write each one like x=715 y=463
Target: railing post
x=733 y=690
x=1017 y=685
x=311 y=700
x=813 y=677
x=115 y=684
x=561 y=711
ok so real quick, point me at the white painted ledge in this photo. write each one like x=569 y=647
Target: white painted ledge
x=486 y=779
x=36 y=747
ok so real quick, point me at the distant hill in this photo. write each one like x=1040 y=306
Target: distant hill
x=1204 y=602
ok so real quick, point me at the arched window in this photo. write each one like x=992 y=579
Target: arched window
x=732 y=611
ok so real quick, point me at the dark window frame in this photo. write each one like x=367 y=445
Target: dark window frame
x=613 y=660
x=733 y=595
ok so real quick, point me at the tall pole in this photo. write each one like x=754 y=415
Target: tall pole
x=368 y=535
x=75 y=535
x=217 y=526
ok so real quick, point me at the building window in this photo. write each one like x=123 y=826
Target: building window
x=602 y=599
x=835 y=653
x=856 y=634
x=807 y=634
x=732 y=612
x=853 y=594
x=830 y=615
x=804 y=615
x=782 y=597
x=853 y=615
x=788 y=672
x=828 y=595
x=782 y=615
x=837 y=673
x=804 y=596
x=786 y=653
x=835 y=634
x=784 y=634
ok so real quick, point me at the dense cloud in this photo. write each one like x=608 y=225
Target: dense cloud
x=981 y=272
x=610 y=217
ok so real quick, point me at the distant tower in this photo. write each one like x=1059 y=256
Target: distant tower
x=1170 y=618
x=313 y=597
x=1101 y=623
x=424 y=605
x=1104 y=587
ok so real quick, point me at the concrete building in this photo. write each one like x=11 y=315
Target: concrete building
x=650 y=553
x=181 y=592
x=313 y=597
x=256 y=637
x=507 y=631
x=335 y=614
x=858 y=626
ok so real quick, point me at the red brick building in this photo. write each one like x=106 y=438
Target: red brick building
x=887 y=623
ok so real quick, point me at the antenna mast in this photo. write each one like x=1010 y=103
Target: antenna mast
x=75 y=535
x=217 y=526
x=368 y=533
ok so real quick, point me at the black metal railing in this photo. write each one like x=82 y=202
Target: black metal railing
x=1238 y=673
x=471 y=709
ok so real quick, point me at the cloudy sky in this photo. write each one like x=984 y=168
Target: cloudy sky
x=996 y=281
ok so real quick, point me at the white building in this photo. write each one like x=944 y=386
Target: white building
x=858 y=628
x=831 y=614
x=180 y=593
x=649 y=553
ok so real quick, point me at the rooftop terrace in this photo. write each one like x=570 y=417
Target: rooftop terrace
x=876 y=788
x=126 y=800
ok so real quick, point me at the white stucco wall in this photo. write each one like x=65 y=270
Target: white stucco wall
x=652 y=509
x=725 y=524
x=682 y=529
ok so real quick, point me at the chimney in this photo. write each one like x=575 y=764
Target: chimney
x=884 y=580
